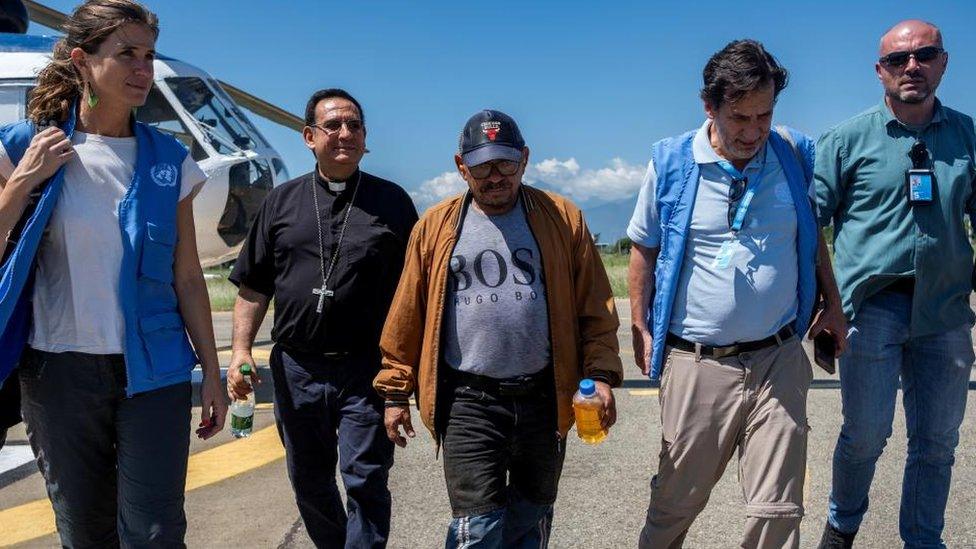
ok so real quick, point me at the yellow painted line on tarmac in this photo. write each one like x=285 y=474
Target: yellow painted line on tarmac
x=36 y=519
x=26 y=522
x=258 y=354
x=231 y=459
x=643 y=392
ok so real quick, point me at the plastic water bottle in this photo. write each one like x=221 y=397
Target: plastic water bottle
x=242 y=409
x=588 y=408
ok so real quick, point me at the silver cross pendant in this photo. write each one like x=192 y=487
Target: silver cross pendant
x=323 y=293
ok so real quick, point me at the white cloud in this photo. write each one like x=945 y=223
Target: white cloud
x=434 y=190
x=617 y=181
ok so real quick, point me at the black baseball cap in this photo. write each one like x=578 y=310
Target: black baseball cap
x=490 y=135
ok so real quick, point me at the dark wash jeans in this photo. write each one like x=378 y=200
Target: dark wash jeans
x=934 y=372
x=502 y=461
x=115 y=467
x=327 y=412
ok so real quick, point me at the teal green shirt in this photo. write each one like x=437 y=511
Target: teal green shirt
x=860 y=181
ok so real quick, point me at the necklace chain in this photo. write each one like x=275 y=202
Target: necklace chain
x=327 y=275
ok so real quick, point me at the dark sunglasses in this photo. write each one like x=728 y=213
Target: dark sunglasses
x=736 y=189
x=919 y=154
x=504 y=167
x=333 y=126
x=922 y=55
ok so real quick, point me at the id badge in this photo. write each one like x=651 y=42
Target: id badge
x=724 y=257
x=920 y=186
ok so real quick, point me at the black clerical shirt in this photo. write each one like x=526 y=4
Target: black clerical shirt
x=280 y=259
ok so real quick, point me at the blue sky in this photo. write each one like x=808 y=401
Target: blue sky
x=591 y=84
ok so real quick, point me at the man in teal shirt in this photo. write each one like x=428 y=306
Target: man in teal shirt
x=904 y=269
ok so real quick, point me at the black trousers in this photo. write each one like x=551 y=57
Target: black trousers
x=327 y=412
x=498 y=447
x=115 y=467
x=9 y=405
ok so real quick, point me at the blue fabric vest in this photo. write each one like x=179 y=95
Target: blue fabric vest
x=677 y=186
x=157 y=351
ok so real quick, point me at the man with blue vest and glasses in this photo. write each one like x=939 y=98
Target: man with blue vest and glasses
x=723 y=285
x=897 y=182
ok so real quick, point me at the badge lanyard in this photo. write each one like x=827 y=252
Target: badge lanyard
x=725 y=253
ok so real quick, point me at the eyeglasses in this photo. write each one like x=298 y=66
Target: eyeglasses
x=919 y=154
x=921 y=55
x=736 y=189
x=504 y=167
x=332 y=127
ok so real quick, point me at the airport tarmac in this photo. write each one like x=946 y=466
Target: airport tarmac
x=238 y=493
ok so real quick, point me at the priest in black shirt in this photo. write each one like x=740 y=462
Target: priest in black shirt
x=328 y=247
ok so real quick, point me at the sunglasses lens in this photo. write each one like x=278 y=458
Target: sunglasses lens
x=507 y=168
x=736 y=189
x=896 y=59
x=926 y=54
x=480 y=171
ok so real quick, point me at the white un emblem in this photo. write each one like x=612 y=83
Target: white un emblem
x=164 y=174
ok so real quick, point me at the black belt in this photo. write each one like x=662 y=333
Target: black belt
x=682 y=344
x=902 y=285
x=512 y=386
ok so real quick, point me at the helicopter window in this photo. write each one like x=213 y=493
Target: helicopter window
x=232 y=106
x=13 y=103
x=250 y=182
x=160 y=114
x=226 y=133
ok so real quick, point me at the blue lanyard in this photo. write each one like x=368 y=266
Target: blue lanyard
x=740 y=213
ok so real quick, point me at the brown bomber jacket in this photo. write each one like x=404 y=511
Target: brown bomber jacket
x=582 y=316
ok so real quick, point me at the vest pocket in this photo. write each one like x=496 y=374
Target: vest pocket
x=164 y=336
x=158 y=249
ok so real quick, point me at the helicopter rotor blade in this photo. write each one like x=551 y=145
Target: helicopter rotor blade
x=43 y=15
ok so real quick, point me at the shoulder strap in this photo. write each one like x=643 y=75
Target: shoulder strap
x=788 y=137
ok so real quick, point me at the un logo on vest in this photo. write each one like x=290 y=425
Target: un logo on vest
x=164 y=174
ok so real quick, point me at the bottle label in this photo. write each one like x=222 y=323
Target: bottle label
x=239 y=423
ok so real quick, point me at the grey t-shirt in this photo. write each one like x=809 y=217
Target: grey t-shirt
x=495 y=316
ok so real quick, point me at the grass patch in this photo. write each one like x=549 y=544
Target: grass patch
x=223 y=293
x=616 y=266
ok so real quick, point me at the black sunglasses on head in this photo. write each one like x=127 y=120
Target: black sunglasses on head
x=921 y=55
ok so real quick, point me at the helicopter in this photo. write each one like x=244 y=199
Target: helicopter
x=185 y=102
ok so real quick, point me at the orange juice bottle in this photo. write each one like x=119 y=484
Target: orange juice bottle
x=588 y=407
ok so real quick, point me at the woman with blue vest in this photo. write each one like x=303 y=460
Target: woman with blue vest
x=101 y=283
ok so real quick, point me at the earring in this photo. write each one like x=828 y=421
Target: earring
x=92 y=98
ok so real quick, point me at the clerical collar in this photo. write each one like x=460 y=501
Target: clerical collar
x=334 y=185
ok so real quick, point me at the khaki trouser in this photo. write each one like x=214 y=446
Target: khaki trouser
x=756 y=404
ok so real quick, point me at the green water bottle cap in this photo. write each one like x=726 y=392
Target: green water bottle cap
x=245 y=369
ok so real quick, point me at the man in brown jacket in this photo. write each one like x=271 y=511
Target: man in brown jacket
x=503 y=306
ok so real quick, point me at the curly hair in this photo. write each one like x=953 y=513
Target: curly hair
x=59 y=84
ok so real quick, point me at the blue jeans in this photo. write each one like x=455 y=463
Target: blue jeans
x=327 y=414
x=934 y=373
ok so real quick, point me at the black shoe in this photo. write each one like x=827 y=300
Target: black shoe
x=835 y=539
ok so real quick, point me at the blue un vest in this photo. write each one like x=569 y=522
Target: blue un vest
x=157 y=351
x=677 y=186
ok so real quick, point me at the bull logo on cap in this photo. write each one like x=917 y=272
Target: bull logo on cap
x=491 y=129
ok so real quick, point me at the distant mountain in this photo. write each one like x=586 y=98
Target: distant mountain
x=610 y=220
